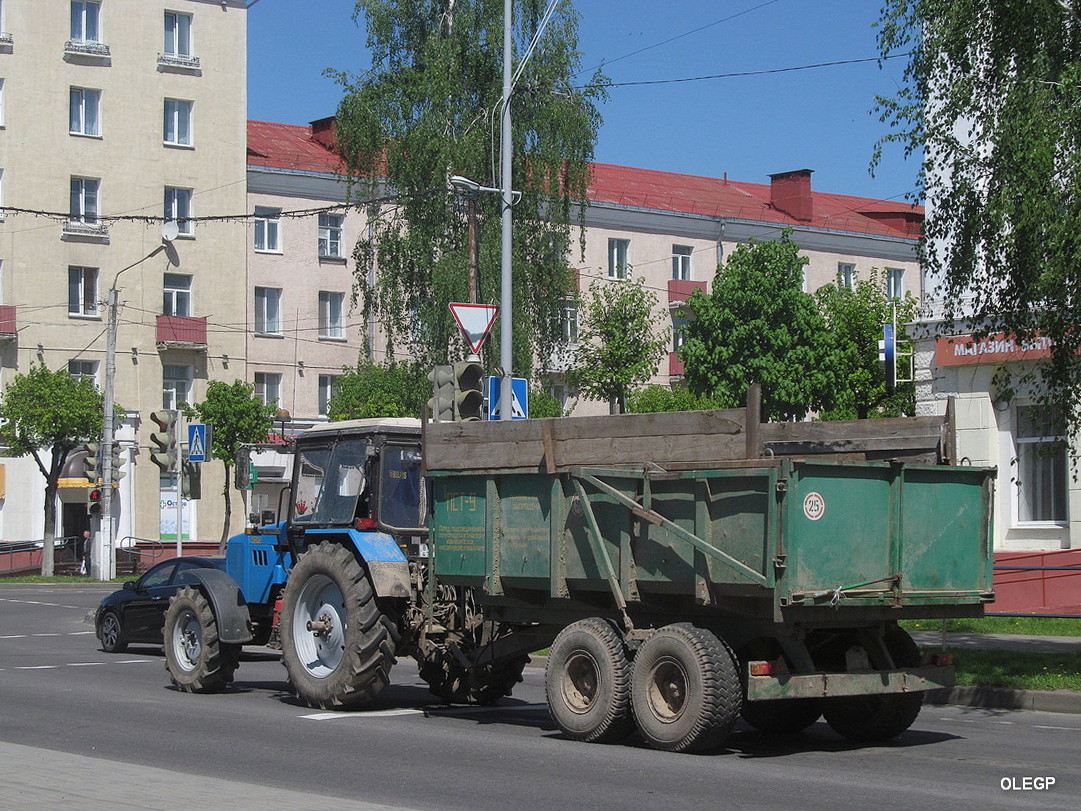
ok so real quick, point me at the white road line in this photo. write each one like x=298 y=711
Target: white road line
x=15 y=636
x=37 y=667
x=337 y=716
x=1066 y=729
x=45 y=634
x=80 y=633
x=131 y=661
x=35 y=602
x=334 y=716
x=85 y=664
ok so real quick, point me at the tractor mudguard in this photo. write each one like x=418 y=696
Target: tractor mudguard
x=387 y=565
x=230 y=609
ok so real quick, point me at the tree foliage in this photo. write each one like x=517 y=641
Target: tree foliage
x=654 y=399
x=855 y=315
x=396 y=389
x=992 y=97
x=758 y=326
x=429 y=107
x=619 y=345
x=542 y=404
x=51 y=413
x=237 y=417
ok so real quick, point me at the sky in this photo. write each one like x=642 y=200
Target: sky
x=748 y=127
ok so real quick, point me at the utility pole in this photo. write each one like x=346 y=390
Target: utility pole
x=505 y=298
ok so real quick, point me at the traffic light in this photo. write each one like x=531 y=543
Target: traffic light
x=468 y=397
x=116 y=463
x=92 y=462
x=441 y=406
x=163 y=441
x=191 y=480
x=93 y=501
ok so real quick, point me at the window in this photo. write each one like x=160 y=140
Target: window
x=177 y=34
x=328 y=387
x=681 y=262
x=1 y=98
x=895 y=282
x=266 y=229
x=570 y=322
x=330 y=236
x=846 y=275
x=85 y=21
x=331 y=323
x=268 y=387
x=177 y=129
x=617 y=258
x=83 y=370
x=84 y=111
x=175 y=385
x=178 y=208
x=679 y=326
x=84 y=200
x=176 y=295
x=83 y=291
x=268 y=310
x=1039 y=436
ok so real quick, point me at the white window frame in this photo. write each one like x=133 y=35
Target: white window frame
x=1034 y=473
x=1 y=80
x=330 y=236
x=182 y=27
x=176 y=295
x=175 y=385
x=328 y=385
x=618 y=258
x=268 y=229
x=179 y=208
x=84 y=200
x=569 y=322
x=80 y=369
x=84 y=112
x=268 y=387
x=268 y=320
x=846 y=275
x=178 y=123
x=331 y=315
x=895 y=283
x=679 y=336
x=82 y=12
x=83 y=291
x=682 y=262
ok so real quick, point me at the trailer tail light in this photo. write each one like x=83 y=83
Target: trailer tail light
x=365 y=524
x=938 y=659
x=762 y=668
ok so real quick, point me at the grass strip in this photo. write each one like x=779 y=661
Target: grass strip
x=1018 y=671
x=1029 y=626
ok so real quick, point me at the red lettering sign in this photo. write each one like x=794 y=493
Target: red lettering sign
x=960 y=350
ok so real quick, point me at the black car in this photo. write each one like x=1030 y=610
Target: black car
x=136 y=613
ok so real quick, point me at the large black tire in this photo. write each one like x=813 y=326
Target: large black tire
x=486 y=684
x=345 y=659
x=197 y=660
x=588 y=682
x=879 y=717
x=685 y=689
x=786 y=716
x=111 y=633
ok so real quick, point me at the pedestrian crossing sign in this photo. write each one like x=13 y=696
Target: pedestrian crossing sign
x=198 y=442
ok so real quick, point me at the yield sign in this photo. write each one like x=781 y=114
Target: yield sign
x=475 y=322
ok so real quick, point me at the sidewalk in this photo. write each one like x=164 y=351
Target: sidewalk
x=1066 y=701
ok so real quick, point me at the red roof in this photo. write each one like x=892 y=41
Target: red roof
x=294 y=148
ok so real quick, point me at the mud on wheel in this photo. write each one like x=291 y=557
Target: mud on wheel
x=337 y=644
x=197 y=660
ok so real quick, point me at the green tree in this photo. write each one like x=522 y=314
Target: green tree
x=47 y=415
x=429 y=107
x=758 y=326
x=655 y=399
x=855 y=316
x=542 y=404
x=992 y=93
x=236 y=417
x=397 y=389
x=619 y=345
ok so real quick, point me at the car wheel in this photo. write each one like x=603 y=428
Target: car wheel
x=111 y=633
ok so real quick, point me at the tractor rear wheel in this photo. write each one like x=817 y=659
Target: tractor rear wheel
x=337 y=644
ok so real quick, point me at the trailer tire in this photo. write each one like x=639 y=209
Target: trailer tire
x=588 y=683
x=486 y=684
x=346 y=661
x=685 y=689
x=786 y=716
x=879 y=717
x=196 y=658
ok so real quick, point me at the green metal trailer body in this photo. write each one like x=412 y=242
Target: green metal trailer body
x=781 y=540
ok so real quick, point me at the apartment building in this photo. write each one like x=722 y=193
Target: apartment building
x=669 y=229
x=116 y=116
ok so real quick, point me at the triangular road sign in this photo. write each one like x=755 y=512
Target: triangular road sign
x=475 y=322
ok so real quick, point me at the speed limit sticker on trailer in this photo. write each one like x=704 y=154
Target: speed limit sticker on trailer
x=814 y=506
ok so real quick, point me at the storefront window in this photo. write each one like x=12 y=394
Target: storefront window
x=1041 y=478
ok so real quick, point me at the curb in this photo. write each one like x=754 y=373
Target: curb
x=999 y=698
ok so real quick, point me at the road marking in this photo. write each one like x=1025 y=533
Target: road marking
x=27 y=636
x=131 y=661
x=36 y=602
x=36 y=667
x=515 y=708
x=1066 y=729
x=85 y=664
x=46 y=634
x=336 y=716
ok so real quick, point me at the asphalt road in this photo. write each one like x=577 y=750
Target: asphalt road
x=80 y=728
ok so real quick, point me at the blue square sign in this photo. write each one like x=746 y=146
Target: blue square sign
x=519 y=387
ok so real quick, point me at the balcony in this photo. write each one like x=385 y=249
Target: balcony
x=8 y=328
x=679 y=290
x=675 y=365
x=7 y=42
x=181 y=332
x=181 y=62
x=85 y=48
x=82 y=231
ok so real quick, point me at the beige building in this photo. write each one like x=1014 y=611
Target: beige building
x=117 y=115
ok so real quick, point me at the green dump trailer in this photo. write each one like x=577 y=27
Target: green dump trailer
x=683 y=575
